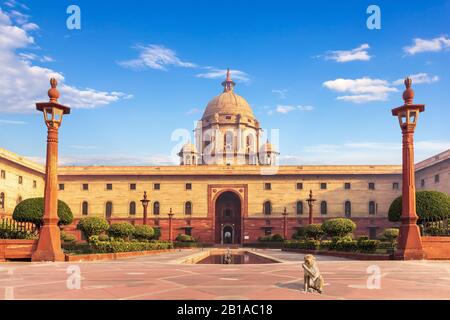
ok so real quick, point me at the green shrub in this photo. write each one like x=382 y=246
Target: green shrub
x=68 y=237
x=314 y=231
x=143 y=232
x=92 y=226
x=429 y=204
x=32 y=210
x=184 y=238
x=302 y=244
x=325 y=244
x=391 y=234
x=363 y=238
x=338 y=227
x=121 y=230
x=157 y=234
x=271 y=238
x=299 y=234
x=9 y=231
x=368 y=246
x=126 y=246
x=103 y=237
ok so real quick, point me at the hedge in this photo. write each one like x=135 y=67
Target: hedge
x=127 y=246
x=429 y=204
x=299 y=234
x=314 y=231
x=338 y=227
x=121 y=230
x=184 y=238
x=67 y=237
x=302 y=244
x=271 y=238
x=92 y=226
x=143 y=232
x=32 y=210
x=391 y=234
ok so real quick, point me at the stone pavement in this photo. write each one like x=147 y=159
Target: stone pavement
x=163 y=277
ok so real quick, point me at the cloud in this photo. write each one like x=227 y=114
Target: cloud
x=281 y=93
x=418 y=78
x=13 y=122
x=284 y=109
x=361 y=90
x=193 y=111
x=359 y=153
x=14 y=4
x=22 y=83
x=155 y=57
x=214 y=73
x=360 y=53
x=427 y=45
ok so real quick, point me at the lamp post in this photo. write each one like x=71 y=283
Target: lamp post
x=145 y=202
x=285 y=230
x=49 y=243
x=409 y=243
x=310 y=201
x=170 y=224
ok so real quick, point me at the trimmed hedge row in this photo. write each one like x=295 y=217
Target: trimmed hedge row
x=366 y=246
x=126 y=246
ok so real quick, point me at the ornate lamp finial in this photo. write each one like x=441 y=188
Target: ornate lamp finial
x=408 y=94
x=53 y=93
x=228 y=84
x=145 y=195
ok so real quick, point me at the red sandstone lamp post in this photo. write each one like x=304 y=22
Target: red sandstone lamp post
x=170 y=224
x=49 y=243
x=409 y=243
x=145 y=202
x=310 y=201
x=285 y=231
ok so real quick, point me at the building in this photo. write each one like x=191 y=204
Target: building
x=228 y=187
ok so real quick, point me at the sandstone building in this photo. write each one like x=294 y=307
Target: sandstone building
x=228 y=187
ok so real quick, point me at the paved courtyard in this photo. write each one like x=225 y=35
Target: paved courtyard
x=162 y=276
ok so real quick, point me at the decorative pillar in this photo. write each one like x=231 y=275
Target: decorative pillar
x=409 y=245
x=145 y=202
x=310 y=201
x=49 y=243
x=285 y=229
x=170 y=225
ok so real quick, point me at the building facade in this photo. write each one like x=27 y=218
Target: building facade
x=228 y=187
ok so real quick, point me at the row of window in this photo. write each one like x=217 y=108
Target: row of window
x=132 y=186
x=324 y=186
x=19 y=178
x=372 y=208
x=267 y=208
x=436 y=180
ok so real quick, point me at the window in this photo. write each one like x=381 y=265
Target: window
x=34 y=184
x=372 y=233
x=371 y=185
x=188 y=208
x=436 y=178
x=61 y=186
x=299 y=186
x=2 y=200
x=267 y=231
x=132 y=208
x=348 y=208
x=3 y=174
x=108 y=209
x=228 y=141
x=188 y=186
x=422 y=183
x=347 y=186
x=299 y=207
x=323 y=186
x=157 y=186
x=85 y=208
x=20 y=180
x=323 y=207
x=372 y=208
x=132 y=186
x=267 y=207
x=267 y=186
x=109 y=186
x=188 y=231
x=395 y=186
x=156 y=208
x=85 y=187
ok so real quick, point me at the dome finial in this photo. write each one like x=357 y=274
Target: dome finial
x=228 y=84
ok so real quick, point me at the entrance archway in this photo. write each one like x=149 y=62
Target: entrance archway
x=228 y=218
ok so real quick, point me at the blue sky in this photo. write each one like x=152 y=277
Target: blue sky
x=137 y=71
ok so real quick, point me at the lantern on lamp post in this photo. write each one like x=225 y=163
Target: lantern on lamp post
x=145 y=202
x=49 y=243
x=409 y=243
x=310 y=201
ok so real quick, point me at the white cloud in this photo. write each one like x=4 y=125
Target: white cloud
x=418 y=78
x=14 y=4
x=284 y=109
x=214 y=73
x=193 y=111
x=360 y=53
x=359 y=153
x=30 y=27
x=13 y=122
x=361 y=90
x=427 y=45
x=282 y=93
x=155 y=57
x=22 y=84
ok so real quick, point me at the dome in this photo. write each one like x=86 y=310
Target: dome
x=228 y=102
x=188 y=148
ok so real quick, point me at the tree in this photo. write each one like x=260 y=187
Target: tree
x=92 y=226
x=121 y=230
x=143 y=232
x=429 y=204
x=339 y=227
x=32 y=210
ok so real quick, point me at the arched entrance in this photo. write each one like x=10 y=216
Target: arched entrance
x=228 y=218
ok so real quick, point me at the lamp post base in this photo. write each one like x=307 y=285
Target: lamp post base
x=409 y=254
x=49 y=245
x=409 y=243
